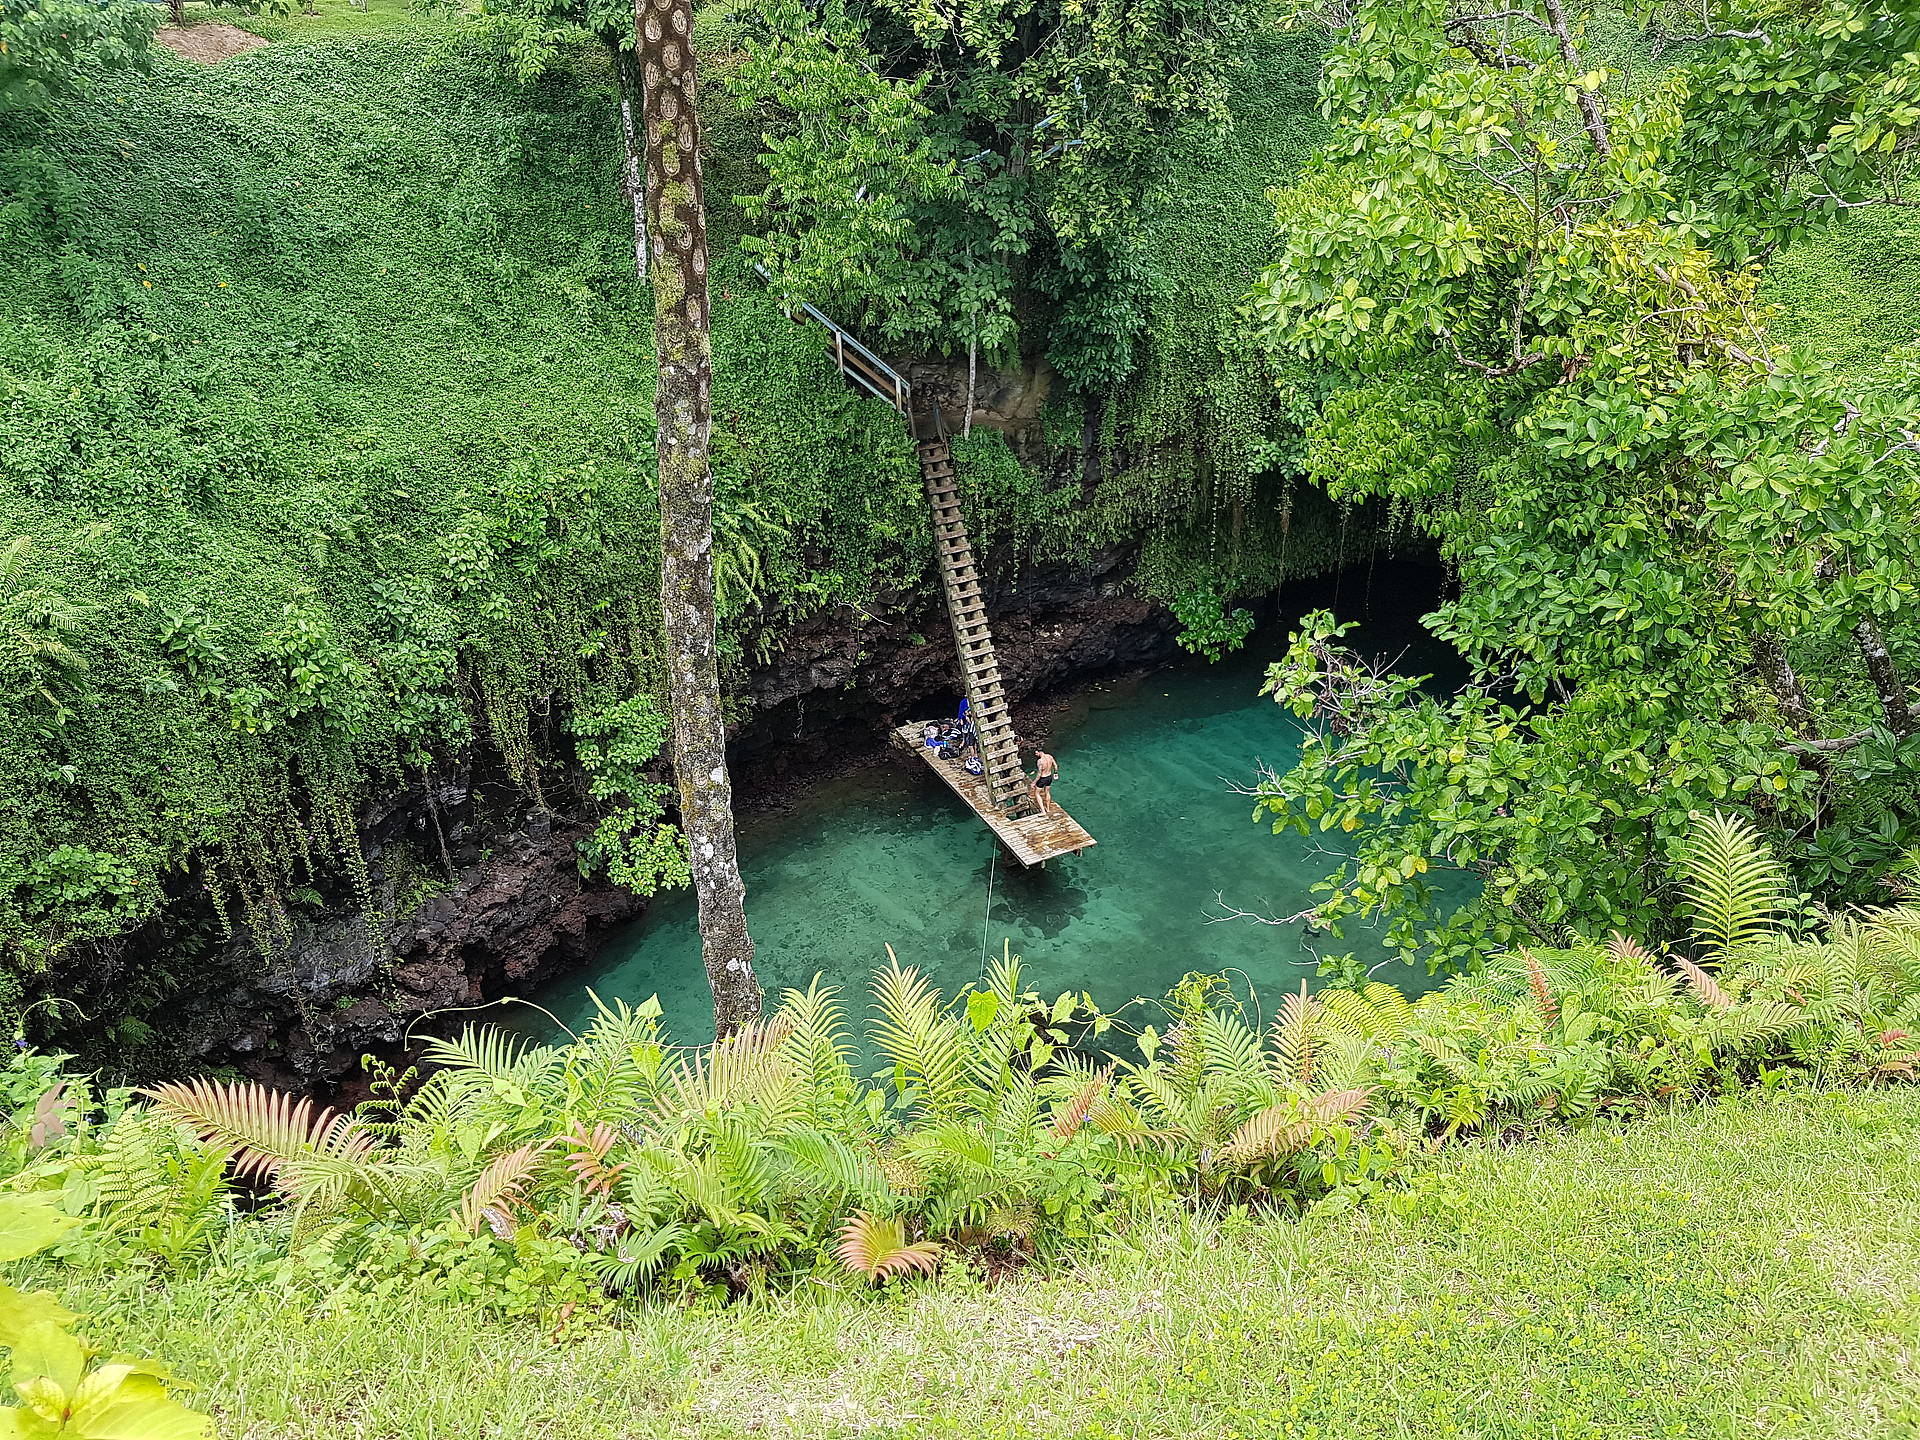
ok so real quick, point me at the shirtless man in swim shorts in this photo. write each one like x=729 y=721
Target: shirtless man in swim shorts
x=1047 y=771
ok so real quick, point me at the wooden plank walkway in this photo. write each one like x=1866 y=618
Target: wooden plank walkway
x=1032 y=839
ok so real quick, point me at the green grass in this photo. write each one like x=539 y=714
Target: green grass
x=331 y=18
x=1851 y=294
x=1746 y=1270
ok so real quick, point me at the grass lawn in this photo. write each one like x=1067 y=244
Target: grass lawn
x=1745 y=1270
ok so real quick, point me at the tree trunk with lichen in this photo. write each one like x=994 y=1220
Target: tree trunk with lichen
x=677 y=237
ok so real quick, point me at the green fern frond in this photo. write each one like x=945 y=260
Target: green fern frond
x=1229 y=1046
x=1448 y=1056
x=1005 y=980
x=749 y=1067
x=827 y=1163
x=1393 y=1009
x=953 y=1143
x=1731 y=881
x=1294 y=1039
x=1750 y=1023
x=746 y=1169
x=926 y=1046
x=878 y=1249
x=818 y=1039
x=266 y=1129
x=638 y=1256
x=1018 y=1109
x=1347 y=1061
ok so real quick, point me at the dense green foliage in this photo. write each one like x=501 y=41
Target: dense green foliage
x=51 y=47
x=1087 y=187
x=324 y=459
x=946 y=169
x=323 y=455
x=1686 y=556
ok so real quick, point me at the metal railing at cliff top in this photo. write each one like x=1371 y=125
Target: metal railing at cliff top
x=856 y=361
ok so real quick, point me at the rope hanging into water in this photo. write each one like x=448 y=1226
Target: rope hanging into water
x=986 y=922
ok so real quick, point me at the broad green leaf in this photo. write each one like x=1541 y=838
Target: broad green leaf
x=125 y=1402
x=982 y=1007
x=29 y=1225
x=48 y=1353
x=22 y=1310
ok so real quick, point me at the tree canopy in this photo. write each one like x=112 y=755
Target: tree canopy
x=1685 y=557
x=972 y=174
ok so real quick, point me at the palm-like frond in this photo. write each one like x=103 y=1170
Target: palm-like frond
x=374 y=1185
x=1286 y=1127
x=1276 y=1130
x=1752 y=1022
x=267 y=1130
x=745 y=1166
x=878 y=1249
x=1377 y=1013
x=954 y=1144
x=1294 y=1040
x=829 y=1164
x=1017 y=1111
x=1228 y=1046
x=695 y=1180
x=587 y=1152
x=1068 y=1119
x=1703 y=985
x=638 y=1256
x=927 y=1047
x=1731 y=882
x=1623 y=949
x=818 y=1036
x=746 y=1068
x=1537 y=982
x=496 y=1054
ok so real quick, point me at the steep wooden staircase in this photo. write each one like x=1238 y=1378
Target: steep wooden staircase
x=999 y=795
x=972 y=640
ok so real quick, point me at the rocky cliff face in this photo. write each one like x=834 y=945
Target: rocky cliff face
x=489 y=898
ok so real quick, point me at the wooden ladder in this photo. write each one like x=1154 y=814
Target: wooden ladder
x=959 y=576
x=972 y=640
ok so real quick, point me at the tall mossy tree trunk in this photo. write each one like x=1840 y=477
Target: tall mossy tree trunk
x=677 y=236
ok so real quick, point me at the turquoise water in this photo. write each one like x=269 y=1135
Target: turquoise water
x=890 y=856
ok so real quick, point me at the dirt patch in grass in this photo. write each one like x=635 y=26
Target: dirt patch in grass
x=208 y=43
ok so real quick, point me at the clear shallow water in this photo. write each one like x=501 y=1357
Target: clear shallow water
x=890 y=856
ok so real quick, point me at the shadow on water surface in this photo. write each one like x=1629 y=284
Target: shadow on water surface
x=888 y=856
x=1044 y=899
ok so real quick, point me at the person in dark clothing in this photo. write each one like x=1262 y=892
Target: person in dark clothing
x=1047 y=770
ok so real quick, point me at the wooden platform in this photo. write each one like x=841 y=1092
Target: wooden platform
x=1032 y=840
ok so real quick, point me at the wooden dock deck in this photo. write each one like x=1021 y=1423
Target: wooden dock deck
x=1033 y=839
